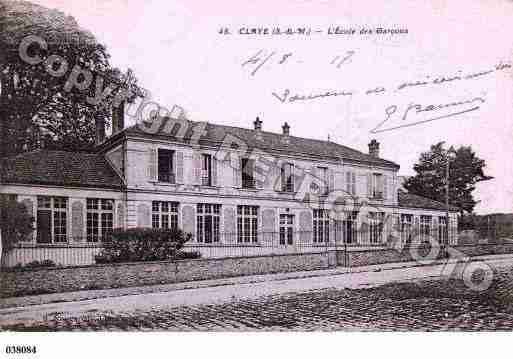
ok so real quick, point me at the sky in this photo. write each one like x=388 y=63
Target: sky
x=178 y=54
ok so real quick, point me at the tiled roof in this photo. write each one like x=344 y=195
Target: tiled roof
x=414 y=201
x=270 y=142
x=60 y=168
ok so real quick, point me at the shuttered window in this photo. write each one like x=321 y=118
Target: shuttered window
x=165 y=166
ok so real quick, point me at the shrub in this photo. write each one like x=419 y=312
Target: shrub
x=47 y=263
x=142 y=244
x=188 y=255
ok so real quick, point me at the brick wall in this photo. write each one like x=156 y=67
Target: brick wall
x=16 y=283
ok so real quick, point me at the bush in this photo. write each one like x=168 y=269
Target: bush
x=188 y=255
x=142 y=244
x=47 y=263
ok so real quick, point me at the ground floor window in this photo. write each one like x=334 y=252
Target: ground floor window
x=286 y=229
x=442 y=230
x=349 y=228
x=100 y=218
x=376 y=227
x=406 y=228
x=321 y=226
x=6 y=197
x=164 y=215
x=425 y=228
x=207 y=222
x=247 y=224
x=52 y=219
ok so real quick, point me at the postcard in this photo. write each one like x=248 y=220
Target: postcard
x=247 y=168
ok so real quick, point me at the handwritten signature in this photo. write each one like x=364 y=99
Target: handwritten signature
x=419 y=109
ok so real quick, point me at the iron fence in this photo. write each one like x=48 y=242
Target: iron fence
x=78 y=251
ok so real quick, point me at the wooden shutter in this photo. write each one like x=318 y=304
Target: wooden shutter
x=197 y=165
x=293 y=176
x=278 y=180
x=348 y=182
x=434 y=231
x=214 y=171
x=152 y=165
x=353 y=183
x=331 y=180
x=385 y=187
x=369 y=185
x=339 y=181
x=179 y=166
x=236 y=167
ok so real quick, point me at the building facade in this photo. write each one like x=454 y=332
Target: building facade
x=237 y=191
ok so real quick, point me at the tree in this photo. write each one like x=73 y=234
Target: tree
x=465 y=170
x=39 y=106
x=15 y=223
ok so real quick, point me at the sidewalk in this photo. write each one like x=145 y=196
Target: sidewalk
x=120 y=292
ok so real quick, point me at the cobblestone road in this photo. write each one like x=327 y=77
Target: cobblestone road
x=427 y=305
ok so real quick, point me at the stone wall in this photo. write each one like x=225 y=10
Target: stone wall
x=354 y=258
x=56 y=280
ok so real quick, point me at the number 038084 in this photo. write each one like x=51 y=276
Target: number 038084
x=20 y=349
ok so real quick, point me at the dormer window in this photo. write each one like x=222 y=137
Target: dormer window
x=166 y=172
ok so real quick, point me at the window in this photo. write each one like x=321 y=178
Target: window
x=323 y=176
x=377 y=185
x=164 y=215
x=248 y=171
x=349 y=228
x=406 y=227
x=286 y=229
x=247 y=224
x=206 y=170
x=376 y=227
x=425 y=227
x=442 y=230
x=8 y=197
x=100 y=214
x=351 y=183
x=321 y=226
x=52 y=219
x=207 y=221
x=165 y=166
x=287 y=177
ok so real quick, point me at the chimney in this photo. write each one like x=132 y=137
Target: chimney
x=258 y=128
x=258 y=124
x=118 y=118
x=374 y=148
x=286 y=129
x=286 y=132
x=100 y=131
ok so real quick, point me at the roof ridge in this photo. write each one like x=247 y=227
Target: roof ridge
x=324 y=148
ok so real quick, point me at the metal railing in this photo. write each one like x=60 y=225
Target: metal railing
x=78 y=251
